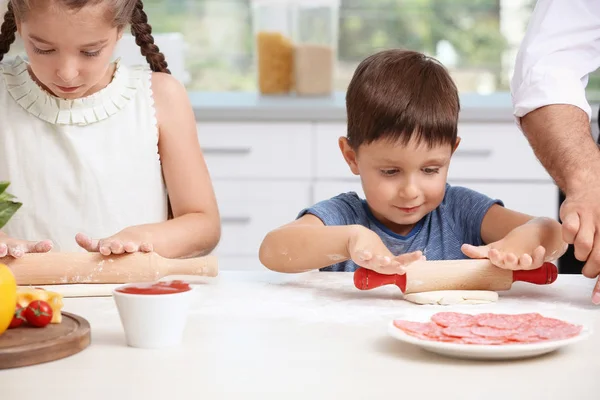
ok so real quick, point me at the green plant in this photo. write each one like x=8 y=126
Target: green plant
x=8 y=204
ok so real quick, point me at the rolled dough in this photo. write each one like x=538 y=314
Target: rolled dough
x=449 y=297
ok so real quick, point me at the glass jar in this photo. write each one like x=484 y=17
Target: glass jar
x=274 y=51
x=315 y=34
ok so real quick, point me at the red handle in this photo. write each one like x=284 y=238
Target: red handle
x=544 y=275
x=365 y=279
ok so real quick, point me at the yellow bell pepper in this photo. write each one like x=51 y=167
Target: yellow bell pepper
x=8 y=297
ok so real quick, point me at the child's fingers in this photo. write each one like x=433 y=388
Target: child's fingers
x=16 y=251
x=116 y=247
x=364 y=255
x=496 y=258
x=525 y=261
x=104 y=248
x=41 y=247
x=130 y=247
x=405 y=259
x=475 y=251
x=511 y=259
x=391 y=268
x=539 y=255
x=383 y=260
x=146 y=247
x=87 y=243
x=3 y=250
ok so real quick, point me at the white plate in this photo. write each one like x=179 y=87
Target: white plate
x=485 y=351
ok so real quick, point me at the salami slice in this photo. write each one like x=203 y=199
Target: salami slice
x=524 y=337
x=412 y=326
x=559 y=332
x=459 y=332
x=489 y=332
x=546 y=322
x=500 y=321
x=447 y=319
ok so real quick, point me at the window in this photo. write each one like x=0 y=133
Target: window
x=477 y=40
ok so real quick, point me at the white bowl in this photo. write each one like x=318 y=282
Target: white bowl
x=153 y=321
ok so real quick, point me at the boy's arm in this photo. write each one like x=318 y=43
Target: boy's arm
x=506 y=232
x=305 y=244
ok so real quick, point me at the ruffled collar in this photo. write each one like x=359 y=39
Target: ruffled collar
x=84 y=111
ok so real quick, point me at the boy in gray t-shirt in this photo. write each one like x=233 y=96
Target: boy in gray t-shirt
x=402 y=110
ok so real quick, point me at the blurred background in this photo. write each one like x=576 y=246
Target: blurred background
x=212 y=42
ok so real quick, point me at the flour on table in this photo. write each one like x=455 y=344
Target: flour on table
x=450 y=297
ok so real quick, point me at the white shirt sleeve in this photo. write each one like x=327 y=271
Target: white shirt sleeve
x=560 y=49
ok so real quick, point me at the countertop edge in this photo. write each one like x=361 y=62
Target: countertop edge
x=250 y=106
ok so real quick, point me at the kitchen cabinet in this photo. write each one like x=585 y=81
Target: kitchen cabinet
x=264 y=173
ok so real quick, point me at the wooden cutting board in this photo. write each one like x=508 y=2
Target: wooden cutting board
x=27 y=345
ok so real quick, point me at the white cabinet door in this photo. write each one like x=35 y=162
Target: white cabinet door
x=257 y=150
x=495 y=151
x=537 y=199
x=250 y=209
x=328 y=157
x=492 y=151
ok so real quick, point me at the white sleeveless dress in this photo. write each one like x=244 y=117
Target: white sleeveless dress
x=89 y=165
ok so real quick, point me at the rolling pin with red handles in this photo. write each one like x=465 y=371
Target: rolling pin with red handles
x=427 y=276
x=55 y=268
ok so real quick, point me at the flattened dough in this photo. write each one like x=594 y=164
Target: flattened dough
x=449 y=297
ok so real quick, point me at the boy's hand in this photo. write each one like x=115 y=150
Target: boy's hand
x=17 y=247
x=508 y=254
x=527 y=246
x=126 y=241
x=367 y=250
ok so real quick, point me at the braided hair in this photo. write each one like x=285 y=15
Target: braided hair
x=143 y=37
x=7 y=31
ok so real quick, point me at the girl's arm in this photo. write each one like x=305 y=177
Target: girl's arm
x=196 y=228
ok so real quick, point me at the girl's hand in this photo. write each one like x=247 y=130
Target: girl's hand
x=368 y=251
x=17 y=247
x=126 y=241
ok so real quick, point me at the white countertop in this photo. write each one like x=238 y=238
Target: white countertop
x=272 y=336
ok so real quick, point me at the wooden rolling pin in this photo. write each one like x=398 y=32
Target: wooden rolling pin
x=55 y=268
x=427 y=276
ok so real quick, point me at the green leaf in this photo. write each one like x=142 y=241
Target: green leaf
x=7 y=210
x=8 y=204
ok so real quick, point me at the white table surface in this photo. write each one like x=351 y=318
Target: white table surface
x=273 y=336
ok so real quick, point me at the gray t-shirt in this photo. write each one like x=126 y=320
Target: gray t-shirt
x=439 y=234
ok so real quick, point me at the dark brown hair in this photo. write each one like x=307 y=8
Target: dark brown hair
x=397 y=94
x=123 y=12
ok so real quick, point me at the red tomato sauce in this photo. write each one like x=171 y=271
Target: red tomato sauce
x=167 y=287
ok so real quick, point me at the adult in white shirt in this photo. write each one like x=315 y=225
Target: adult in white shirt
x=560 y=49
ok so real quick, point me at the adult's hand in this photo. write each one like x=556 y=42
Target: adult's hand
x=580 y=215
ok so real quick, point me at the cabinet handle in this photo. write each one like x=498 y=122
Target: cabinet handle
x=227 y=150
x=475 y=153
x=238 y=220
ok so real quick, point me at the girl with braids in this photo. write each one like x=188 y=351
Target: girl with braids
x=91 y=147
